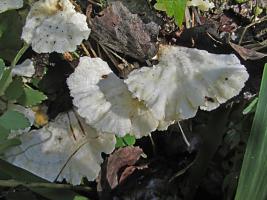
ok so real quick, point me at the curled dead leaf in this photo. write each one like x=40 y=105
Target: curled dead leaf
x=247 y=54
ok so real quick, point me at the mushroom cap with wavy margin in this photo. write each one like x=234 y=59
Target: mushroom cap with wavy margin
x=10 y=4
x=186 y=79
x=64 y=149
x=203 y=5
x=54 y=25
x=105 y=102
x=25 y=69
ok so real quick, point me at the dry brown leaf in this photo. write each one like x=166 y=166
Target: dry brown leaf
x=124 y=157
x=117 y=28
x=247 y=54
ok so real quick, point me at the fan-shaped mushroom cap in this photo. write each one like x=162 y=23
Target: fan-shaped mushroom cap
x=186 y=79
x=54 y=25
x=203 y=5
x=25 y=69
x=105 y=102
x=10 y=4
x=64 y=149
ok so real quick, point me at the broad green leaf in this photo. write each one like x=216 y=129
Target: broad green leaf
x=3 y=28
x=5 y=144
x=35 y=81
x=253 y=178
x=18 y=195
x=251 y=107
x=3 y=133
x=80 y=198
x=173 y=8
x=5 y=80
x=127 y=140
x=14 y=90
x=31 y=97
x=13 y=120
x=11 y=24
x=19 y=174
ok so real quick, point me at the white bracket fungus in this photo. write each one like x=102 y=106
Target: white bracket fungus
x=54 y=25
x=203 y=5
x=105 y=102
x=10 y=4
x=25 y=69
x=186 y=79
x=64 y=149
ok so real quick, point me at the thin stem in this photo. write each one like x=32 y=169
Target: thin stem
x=183 y=134
x=153 y=144
x=20 y=54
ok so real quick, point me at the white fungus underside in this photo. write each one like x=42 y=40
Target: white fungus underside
x=186 y=79
x=105 y=102
x=48 y=29
x=10 y=4
x=61 y=150
x=25 y=69
x=203 y=5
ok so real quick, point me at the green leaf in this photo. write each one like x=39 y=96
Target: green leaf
x=31 y=97
x=241 y=1
x=5 y=80
x=173 y=8
x=2 y=67
x=19 y=174
x=251 y=107
x=253 y=178
x=3 y=28
x=14 y=90
x=13 y=120
x=5 y=144
x=11 y=25
x=3 y=133
x=127 y=140
x=80 y=198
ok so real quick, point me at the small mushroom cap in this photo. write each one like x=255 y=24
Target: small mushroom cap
x=186 y=79
x=25 y=69
x=203 y=5
x=105 y=102
x=10 y=4
x=64 y=149
x=54 y=25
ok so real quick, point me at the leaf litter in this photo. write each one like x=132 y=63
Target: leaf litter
x=116 y=40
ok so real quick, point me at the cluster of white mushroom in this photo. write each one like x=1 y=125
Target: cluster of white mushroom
x=150 y=99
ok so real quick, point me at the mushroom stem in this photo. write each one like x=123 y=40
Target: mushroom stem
x=183 y=134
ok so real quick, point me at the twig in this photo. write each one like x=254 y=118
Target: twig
x=248 y=26
x=99 y=51
x=182 y=171
x=15 y=183
x=188 y=20
x=112 y=59
x=196 y=15
x=94 y=3
x=85 y=49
